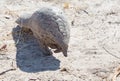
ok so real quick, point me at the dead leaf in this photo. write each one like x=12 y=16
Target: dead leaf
x=66 y=5
x=3 y=47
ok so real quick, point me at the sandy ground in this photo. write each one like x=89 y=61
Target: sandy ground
x=94 y=48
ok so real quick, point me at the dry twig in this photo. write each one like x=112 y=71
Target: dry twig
x=114 y=75
x=7 y=71
x=110 y=53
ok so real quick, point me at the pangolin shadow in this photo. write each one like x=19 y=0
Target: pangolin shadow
x=29 y=55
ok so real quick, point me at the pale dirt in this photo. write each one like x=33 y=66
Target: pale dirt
x=94 y=48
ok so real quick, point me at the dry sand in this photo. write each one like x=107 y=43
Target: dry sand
x=94 y=48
